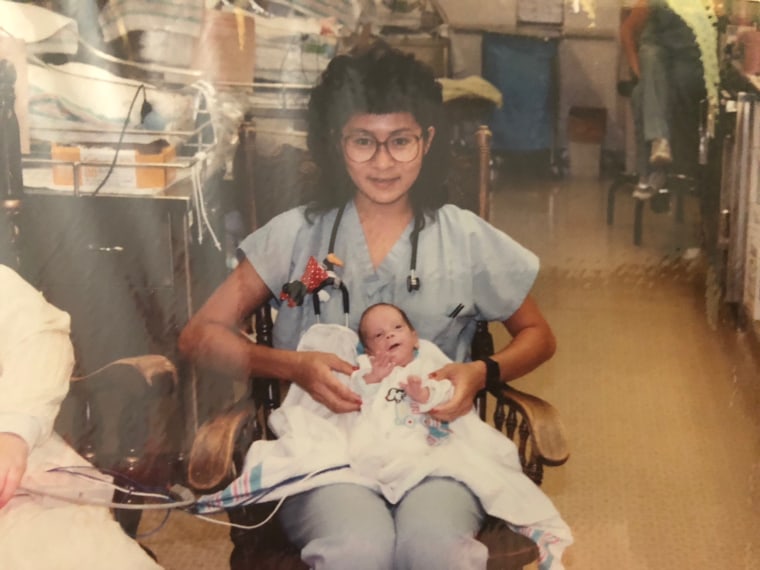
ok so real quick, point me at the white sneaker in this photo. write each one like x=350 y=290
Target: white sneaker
x=657 y=180
x=660 y=154
x=642 y=191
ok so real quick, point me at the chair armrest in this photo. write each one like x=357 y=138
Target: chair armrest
x=220 y=445
x=536 y=427
x=545 y=423
x=149 y=366
x=125 y=417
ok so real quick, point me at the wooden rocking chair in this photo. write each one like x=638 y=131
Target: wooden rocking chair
x=125 y=418
x=220 y=444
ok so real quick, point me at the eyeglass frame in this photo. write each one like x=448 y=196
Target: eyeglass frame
x=378 y=144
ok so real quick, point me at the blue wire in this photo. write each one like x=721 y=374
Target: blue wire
x=73 y=470
x=161 y=525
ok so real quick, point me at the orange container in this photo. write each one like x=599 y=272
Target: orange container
x=122 y=176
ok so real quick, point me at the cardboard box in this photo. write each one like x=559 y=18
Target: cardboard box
x=587 y=124
x=122 y=176
x=431 y=51
x=226 y=50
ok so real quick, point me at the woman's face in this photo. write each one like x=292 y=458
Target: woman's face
x=386 y=176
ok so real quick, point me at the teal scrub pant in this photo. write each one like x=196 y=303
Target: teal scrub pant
x=344 y=526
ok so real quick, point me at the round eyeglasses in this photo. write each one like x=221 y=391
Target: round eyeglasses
x=363 y=147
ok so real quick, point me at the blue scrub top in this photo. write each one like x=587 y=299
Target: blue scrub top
x=460 y=259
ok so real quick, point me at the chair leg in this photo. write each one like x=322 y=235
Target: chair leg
x=637 y=220
x=679 y=214
x=611 y=202
x=621 y=180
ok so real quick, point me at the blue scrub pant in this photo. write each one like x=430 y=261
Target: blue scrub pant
x=346 y=526
x=666 y=104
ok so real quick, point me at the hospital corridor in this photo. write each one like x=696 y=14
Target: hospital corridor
x=194 y=191
x=657 y=390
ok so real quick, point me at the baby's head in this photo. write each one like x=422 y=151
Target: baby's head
x=385 y=329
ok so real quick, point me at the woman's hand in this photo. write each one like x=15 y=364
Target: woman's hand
x=532 y=344
x=315 y=373
x=468 y=379
x=13 y=453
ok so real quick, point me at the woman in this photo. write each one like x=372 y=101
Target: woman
x=377 y=135
x=670 y=47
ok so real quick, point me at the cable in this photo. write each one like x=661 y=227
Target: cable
x=141 y=87
x=187 y=499
x=244 y=526
x=81 y=499
x=127 y=491
x=109 y=472
x=208 y=92
x=159 y=526
x=257 y=497
x=197 y=198
x=200 y=205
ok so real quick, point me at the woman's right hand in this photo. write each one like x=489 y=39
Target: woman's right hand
x=315 y=373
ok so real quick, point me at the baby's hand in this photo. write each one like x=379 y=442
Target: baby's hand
x=415 y=390
x=381 y=367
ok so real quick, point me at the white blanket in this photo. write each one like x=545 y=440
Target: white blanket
x=390 y=446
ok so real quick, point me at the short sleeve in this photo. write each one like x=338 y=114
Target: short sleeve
x=270 y=248
x=502 y=271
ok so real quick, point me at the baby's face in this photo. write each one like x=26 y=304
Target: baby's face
x=386 y=333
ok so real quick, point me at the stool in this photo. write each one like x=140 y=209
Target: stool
x=679 y=185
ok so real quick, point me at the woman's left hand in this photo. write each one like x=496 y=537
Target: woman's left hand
x=468 y=379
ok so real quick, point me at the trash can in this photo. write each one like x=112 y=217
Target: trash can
x=522 y=68
x=586 y=127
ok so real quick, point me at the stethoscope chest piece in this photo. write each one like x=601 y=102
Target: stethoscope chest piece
x=412 y=281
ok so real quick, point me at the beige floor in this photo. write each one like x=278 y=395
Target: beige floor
x=659 y=397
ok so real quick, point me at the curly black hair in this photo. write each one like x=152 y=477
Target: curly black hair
x=377 y=79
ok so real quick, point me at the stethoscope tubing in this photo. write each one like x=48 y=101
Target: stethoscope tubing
x=344 y=294
x=412 y=281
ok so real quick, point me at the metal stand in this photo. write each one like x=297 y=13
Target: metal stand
x=11 y=182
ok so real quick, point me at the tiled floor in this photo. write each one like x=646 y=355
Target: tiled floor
x=659 y=398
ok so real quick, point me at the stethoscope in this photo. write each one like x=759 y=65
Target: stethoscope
x=412 y=280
